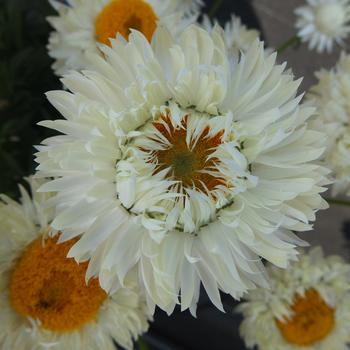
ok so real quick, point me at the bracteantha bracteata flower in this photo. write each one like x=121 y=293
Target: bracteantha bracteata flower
x=81 y=26
x=323 y=23
x=45 y=301
x=185 y=161
x=331 y=95
x=307 y=307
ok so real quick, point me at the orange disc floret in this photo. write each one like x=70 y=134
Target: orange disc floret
x=47 y=286
x=312 y=320
x=120 y=16
x=189 y=162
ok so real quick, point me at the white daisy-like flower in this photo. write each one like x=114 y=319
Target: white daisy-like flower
x=45 y=301
x=185 y=163
x=81 y=26
x=322 y=23
x=332 y=97
x=238 y=37
x=307 y=307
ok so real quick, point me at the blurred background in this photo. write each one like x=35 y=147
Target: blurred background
x=25 y=75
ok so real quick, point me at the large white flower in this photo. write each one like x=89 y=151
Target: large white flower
x=307 y=307
x=322 y=23
x=186 y=163
x=45 y=302
x=332 y=97
x=238 y=37
x=81 y=26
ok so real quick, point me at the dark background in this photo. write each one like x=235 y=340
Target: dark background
x=25 y=75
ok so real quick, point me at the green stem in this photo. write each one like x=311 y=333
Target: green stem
x=292 y=42
x=338 y=202
x=142 y=344
x=214 y=8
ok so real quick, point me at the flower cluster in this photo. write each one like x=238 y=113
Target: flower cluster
x=184 y=157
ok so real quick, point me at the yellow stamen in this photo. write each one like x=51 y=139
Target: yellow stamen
x=312 y=321
x=47 y=286
x=120 y=16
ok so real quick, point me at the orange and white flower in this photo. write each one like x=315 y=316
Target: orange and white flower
x=82 y=26
x=184 y=161
x=45 y=301
x=307 y=307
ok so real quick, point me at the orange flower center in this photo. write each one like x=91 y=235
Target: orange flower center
x=47 y=286
x=120 y=16
x=313 y=320
x=189 y=164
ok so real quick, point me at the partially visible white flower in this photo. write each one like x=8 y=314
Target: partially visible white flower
x=307 y=307
x=192 y=6
x=331 y=95
x=45 y=302
x=322 y=23
x=81 y=26
x=238 y=37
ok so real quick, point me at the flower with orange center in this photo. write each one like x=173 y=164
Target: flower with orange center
x=184 y=162
x=196 y=162
x=45 y=292
x=308 y=307
x=312 y=320
x=48 y=287
x=120 y=16
x=82 y=26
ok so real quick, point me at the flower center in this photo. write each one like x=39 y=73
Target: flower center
x=47 y=286
x=329 y=18
x=313 y=320
x=191 y=162
x=180 y=168
x=120 y=16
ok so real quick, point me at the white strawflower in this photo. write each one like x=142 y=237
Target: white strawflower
x=238 y=37
x=81 y=26
x=307 y=307
x=332 y=97
x=322 y=23
x=185 y=163
x=45 y=301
